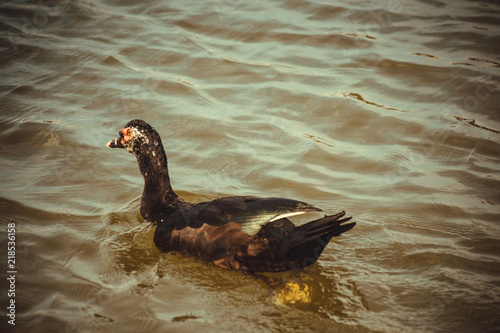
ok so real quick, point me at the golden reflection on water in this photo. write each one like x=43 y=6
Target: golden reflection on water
x=292 y=292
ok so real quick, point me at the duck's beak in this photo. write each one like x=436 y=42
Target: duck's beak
x=116 y=143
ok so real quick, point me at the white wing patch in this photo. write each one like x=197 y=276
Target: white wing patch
x=253 y=225
x=277 y=217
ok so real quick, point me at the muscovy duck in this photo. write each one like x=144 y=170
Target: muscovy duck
x=244 y=233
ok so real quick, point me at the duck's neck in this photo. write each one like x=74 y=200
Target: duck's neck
x=158 y=195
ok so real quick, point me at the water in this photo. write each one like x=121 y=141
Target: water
x=389 y=110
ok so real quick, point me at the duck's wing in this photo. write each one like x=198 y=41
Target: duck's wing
x=250 y=212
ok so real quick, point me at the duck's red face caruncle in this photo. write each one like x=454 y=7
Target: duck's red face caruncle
x=126 y=135
x=130 y=138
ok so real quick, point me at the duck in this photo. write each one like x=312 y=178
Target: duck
x=242 y=233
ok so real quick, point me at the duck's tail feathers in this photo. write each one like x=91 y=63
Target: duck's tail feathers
x=328 y=226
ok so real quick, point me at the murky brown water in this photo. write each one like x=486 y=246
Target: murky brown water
x=387 y=109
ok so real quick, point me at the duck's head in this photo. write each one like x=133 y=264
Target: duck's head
x=141 y=140
x=138 y=138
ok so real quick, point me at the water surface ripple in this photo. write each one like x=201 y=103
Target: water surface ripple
x=387 y=109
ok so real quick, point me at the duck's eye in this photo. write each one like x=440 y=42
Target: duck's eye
x=126 y=133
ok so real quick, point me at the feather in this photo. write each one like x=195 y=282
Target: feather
x=251 y=213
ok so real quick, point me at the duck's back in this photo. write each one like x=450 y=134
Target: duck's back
x=248 y=234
